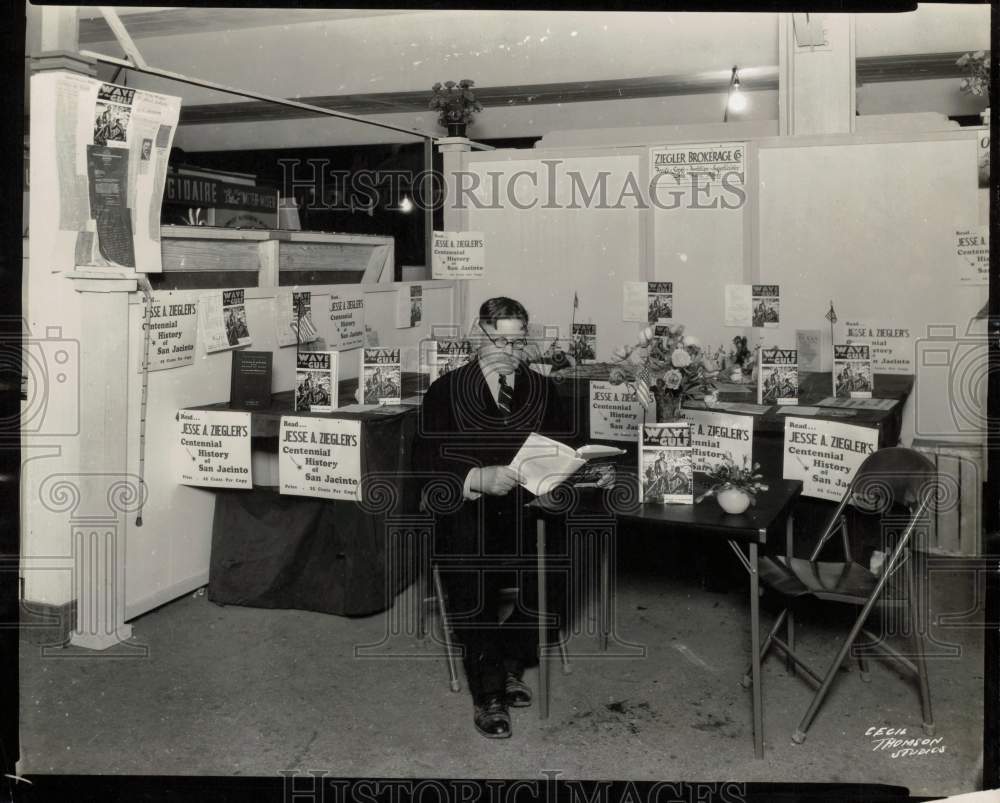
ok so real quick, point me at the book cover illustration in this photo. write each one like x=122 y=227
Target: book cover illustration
x=852 y=372
x=381 y=375
x=234 y=315
x=666 y=470
x=447 y=355
x=585 y=342
x=778 y=376
x=766 y=302
x=660 y=301
x=316 y=381
x=250 y=380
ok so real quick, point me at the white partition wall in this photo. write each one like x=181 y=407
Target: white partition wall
x=870 y=224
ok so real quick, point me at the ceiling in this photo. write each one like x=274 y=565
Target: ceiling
x=144 y=21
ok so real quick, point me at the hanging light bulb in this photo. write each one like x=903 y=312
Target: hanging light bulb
x=406 y=205
x=736 y=101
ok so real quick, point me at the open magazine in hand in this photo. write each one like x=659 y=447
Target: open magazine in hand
x=542 y=463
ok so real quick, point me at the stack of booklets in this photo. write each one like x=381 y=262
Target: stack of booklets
x=447 y=355
x=381 y=375
x=852 y=372
x=316 y=381
x=778 y=376
x=666 y=463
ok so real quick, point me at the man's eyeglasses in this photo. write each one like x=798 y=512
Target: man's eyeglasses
x=518 y=344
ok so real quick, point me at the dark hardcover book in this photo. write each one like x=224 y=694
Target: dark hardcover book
x=250 y=382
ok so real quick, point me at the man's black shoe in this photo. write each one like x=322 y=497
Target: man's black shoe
x=517 y=693
x=492 y=717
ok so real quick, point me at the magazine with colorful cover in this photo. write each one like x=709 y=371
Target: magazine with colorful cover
x=316 y=381
x=585 y=342
x=666 y=466
x=381 y=375
x=852 y=371
x=447 y=355
x=778 y=376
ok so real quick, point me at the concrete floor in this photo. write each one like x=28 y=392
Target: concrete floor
x=242 y=691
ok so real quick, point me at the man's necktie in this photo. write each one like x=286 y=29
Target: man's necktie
x=505 y=398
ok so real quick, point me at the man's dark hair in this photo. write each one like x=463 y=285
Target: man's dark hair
x=492 y=309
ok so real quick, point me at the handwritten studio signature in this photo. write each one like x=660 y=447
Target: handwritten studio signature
x=894 y=741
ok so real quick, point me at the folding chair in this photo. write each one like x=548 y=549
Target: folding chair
x=889 y=482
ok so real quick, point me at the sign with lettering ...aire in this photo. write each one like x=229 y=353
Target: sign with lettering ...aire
x=173 y=332
x=320 y=457
x=458 y=255
x=825 y=454
x=213 y=449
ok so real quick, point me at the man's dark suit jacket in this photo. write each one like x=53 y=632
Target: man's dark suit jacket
x=460 y=428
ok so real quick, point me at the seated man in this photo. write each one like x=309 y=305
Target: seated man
x=472 y=422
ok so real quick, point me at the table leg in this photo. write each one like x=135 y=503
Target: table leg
x=543 y=666
x=758 y=702
x=790 y=621
x=605 y=592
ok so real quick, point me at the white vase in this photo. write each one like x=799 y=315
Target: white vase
x=733 y=500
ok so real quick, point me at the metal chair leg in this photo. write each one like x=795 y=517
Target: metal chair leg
x=446 y=631
x=919 y=650
x=747 y=681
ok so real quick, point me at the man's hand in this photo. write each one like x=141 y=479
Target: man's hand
x=494 y=480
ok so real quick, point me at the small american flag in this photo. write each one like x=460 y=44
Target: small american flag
x=308 y=331
x=642 y=382
x=831 y=316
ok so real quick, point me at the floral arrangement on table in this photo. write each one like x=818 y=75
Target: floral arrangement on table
x=727 y=476
x=978 y=67
x=455 y=102
x=666 y=368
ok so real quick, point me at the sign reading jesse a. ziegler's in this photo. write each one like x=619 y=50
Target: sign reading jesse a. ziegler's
x=825 y=454
x=213 y=449
x=320 y=457
x=347 y=312
x=458 y=255
x=173 y=330
x=615 y=412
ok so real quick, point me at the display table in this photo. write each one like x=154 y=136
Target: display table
x=276 y=551
x=766 y=522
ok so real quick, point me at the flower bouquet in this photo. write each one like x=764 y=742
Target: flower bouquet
x=667 y=367
x=455 y=103
x=735 y=487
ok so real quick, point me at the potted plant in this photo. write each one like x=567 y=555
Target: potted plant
x=977 y=79
x=456 y=105
x=735 y=487
x=666 y=366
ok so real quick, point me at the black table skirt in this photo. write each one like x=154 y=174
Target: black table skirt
x=342 y=557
